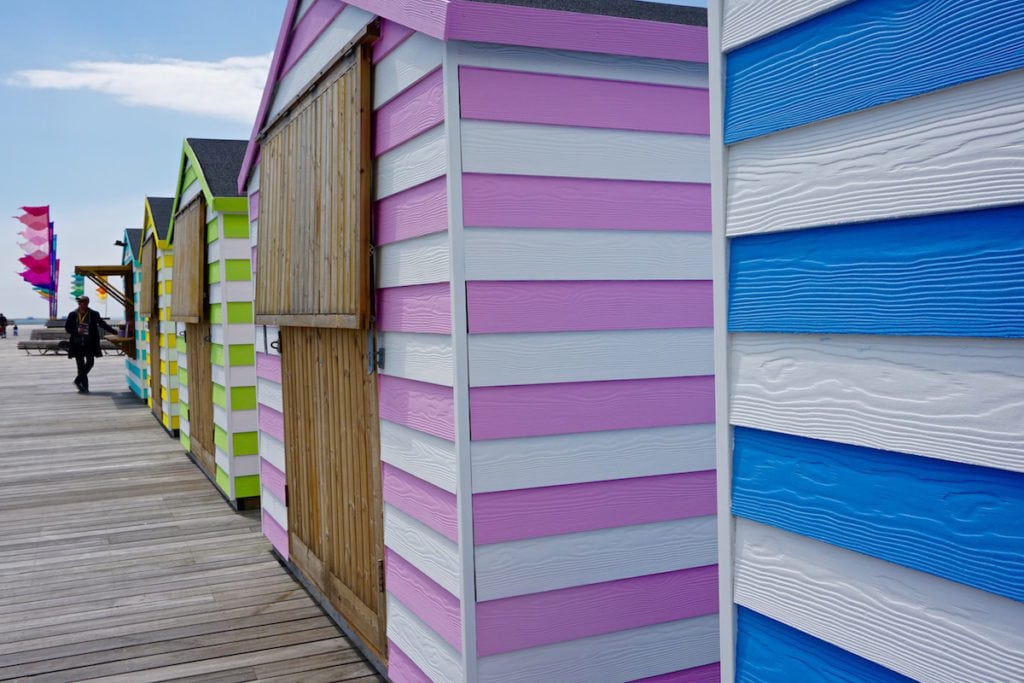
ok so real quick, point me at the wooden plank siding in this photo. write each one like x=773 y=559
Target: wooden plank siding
x=871 y=218
x=188 y=299
x=147 y=293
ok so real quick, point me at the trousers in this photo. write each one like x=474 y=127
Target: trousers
x=84 y=366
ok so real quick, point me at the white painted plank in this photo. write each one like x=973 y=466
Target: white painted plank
x=920 y=625
x=418 y=261
x=220 y=417
x=418 y=453
x=189 y=193
x=427 y=550
x=541 y=358
x=238 y=333
x=509 y=464
x=544 y=150
x=272 y=450
x=745 y=21
x=223 y=461
x=422 y=357
x=535 y=565
x=269 y=394
x=417 y=56
x=424 y=647
x=234 y=248
x=621 y=656
x=529 y=254
x=584 y=64
x=213 y=251
x=953 y=150
x=274 y=507
x=245 y=465
x=412 y=163
x=217 y=374
x=953 y=399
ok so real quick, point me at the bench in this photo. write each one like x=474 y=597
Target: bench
x=43 y=347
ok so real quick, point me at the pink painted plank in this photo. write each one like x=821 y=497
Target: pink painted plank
x=272 y=479
x=418 y=211
x=509 y=201
x=426 y=16
x=567 y=408
x=252 y=260
x=310 y=26
x=268 y=366
x=271 y=421
x=499 y=95
x=392 y=34
x=551 y=510
x=421 y=500
x=709 y=673
x=401 y=669
x=425 y=407
x=254 y=206
x=276 y=534
x=417 y=308
x=526 y=621
x=416 y=110
x=514 y=25
x=588 y=305
x=439 y=609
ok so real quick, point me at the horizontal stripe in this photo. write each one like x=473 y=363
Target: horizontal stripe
x=513 y=515
x=422 y=357
x=401 y=669
x=545 y=150
x=817 y=175
x=570 y=613
x=571 y=458
x=412 y=163
x=951 y=274
x=536 y=410
x=709 y=673
x=588 y=305
x=421 y=500
x=545 y=357
x=961 y=522
x=529 y=254
x=308 y=29
x=272 y=450
x=254 y=205
x=510 y=201
x=270 y=394
x=392 y=34
x=919 y=625
x=427 y=457
x=427 y=550
x=416 y=110
x=417 y=308
x=417 y=261
x=542 y=564
x=431 y=654
x=425 y=407
x=274 y=507
x=273 y=479
x=411 y=60
x=498 y=95
x=420 y=210
x=277 y=536
x=271 y=422
x=953 y=399
x=915 y=47
x=615 y=656
x=438 y=608
x=767 y=650
x=747 y=20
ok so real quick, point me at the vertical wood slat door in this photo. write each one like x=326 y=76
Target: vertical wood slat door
x=332 y=450
x=200 y=395
x=154 y=368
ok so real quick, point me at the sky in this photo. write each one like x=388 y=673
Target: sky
x=96 y=98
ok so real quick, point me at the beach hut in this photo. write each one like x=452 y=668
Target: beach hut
x=136 y=371
x=211 y=304
x=484 y=349
x=871 y=230
x=156 y=263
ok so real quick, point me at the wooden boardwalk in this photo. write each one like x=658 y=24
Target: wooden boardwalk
x=118 y=559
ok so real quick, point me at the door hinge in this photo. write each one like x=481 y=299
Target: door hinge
x=380 y=575
x=380 y=358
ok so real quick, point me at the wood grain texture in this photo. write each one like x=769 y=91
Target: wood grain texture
x=427 y=550
x=544 y=150
x=960 y=522
x=958 y=400
x=644 y=651
x=509 y=201
x=401 y=669
x=421 y=357
x=411 y=163
x=392 y=34
x=427 y=650
x=269 y=394
x=524 y=97
x=428 y=457
x=587 y=305
x=417 y=56
x=417 y=308
x=508 y=464
x=958 y=274
x=913 y=48
x=744 y=21
x=420 y=210
x=554 y=562
x=421 y=500
x=417 y=109
x=966 y=142
x=919 y=625
x=418 y=405
x=529 y=254
x=539 y=358
x=417 y=261
x=435 y=606
x=504 y=516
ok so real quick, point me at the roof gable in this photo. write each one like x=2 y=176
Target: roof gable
x=216 y=165
x=157 y=219
x=132 y=244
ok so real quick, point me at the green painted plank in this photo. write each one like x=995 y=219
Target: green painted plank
x=212 y=231
x=216 y=314
x=220 y=438
x=213 y=272
x=231 y=204
x=217 y=354
x=246 y=443
x=223 y=481
x=242 y=354
x=183 y=410
x=236 y=225
x=237 y=269
x=220 y=396
x=246 y=487
x=240 y=312
x=190 y=177
x=186 y=442
x=243 y=398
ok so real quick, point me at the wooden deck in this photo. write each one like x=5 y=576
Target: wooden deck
x=120 y=562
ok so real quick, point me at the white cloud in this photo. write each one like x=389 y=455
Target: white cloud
x=229 y=89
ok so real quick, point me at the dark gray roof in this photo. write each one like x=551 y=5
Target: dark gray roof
x=133 y=238
x=631 y=9
x=220 y=161
x=161 y=208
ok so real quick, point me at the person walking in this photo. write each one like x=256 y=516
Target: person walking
x=3 y=326
x=84 y=326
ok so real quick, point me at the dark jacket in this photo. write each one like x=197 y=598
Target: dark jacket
x=89 y=345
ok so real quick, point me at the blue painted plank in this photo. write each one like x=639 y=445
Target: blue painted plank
x=866 y=54
x=958 y=274
x=768 y=651
x=961 y=522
